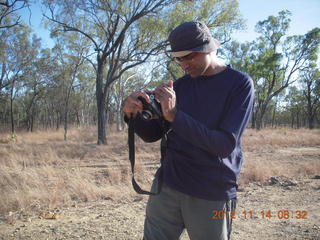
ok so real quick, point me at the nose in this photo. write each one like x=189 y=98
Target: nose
x=184 y=65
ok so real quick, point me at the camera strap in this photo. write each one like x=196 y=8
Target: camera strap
x=131 y=143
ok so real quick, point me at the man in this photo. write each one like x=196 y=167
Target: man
x=206 y=112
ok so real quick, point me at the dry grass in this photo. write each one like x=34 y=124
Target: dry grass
x=280 y=137
x=40 y=171
x=276 y=152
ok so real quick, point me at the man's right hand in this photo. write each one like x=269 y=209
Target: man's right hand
x=132 y=105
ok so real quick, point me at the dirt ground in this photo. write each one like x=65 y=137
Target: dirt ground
x=283 y=207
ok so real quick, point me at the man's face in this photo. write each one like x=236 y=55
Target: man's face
x=195 y=64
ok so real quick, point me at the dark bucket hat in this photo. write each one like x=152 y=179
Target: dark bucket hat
x=192 y=37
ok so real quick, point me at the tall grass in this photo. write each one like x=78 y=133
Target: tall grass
x=292 y=153
x=40 y=171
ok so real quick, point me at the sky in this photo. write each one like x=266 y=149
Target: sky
x=305 y=16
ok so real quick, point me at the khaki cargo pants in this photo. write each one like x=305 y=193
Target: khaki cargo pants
x=171 y=212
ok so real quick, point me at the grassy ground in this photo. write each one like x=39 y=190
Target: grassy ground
x=40 y=171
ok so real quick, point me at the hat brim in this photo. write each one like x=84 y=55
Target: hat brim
x=211 y=46
x=180 y=54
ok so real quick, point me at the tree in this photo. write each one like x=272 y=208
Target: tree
x=71 y=52
x=18 y=55
x=273 y=60
x=8 y=10
x=311 y=92
x=278 y=62
x=34 y=79
x=107 y=25
x=295 y=105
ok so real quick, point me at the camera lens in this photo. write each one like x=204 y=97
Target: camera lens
x=152 y=97
x=146 y=115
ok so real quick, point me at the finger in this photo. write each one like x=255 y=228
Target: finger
x=160 y=94
x=132 y=100
x=166 y=91
x=137 y=104
x=157 y=89
x=141 y=94
x=170 y=84
x=159 y=97
x=132 y=105
x=131 y=109
x=162 y=85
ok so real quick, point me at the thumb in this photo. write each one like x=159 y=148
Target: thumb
x=170 y=84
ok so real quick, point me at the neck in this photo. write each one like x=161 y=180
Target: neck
x=216 y=66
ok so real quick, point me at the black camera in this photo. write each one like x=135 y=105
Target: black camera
x=152 y=109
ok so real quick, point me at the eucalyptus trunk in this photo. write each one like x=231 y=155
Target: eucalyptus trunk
x=101 y=105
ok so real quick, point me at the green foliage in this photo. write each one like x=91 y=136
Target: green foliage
x=9 y=17
x=115 y=35
x=274 y=28
x=274 y=59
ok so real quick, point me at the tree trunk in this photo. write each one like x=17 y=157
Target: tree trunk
x=101 y=105
x=83 y=118
x=259 y=116
x=253 y=120
x=32 y=120
x=11 y=110
x=258 y=121
x=273 y=116
x=5 y=113
x=119 y=120
x=78 y=118
x=58 y=121
x=311 y=121
x=102 y=139
x=65 y=122
x=310 y=113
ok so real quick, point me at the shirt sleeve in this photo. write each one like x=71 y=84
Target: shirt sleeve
x=239 y=109
x=148 y=130
x=220 y=142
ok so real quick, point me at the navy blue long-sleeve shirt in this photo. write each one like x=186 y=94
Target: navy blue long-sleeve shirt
x=203 y=155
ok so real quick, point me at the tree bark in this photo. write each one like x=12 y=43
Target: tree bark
x=11 y=109
x=101 y=104
x=66 y=120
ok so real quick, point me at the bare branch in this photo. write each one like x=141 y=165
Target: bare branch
x=67 y=28
x=9 y=9
x=138 y=62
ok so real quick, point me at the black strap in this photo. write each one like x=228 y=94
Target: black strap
x=131 y=144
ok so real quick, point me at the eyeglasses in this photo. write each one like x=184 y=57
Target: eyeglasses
x=188 y=57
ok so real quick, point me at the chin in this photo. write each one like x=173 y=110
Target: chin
x=194 y=75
